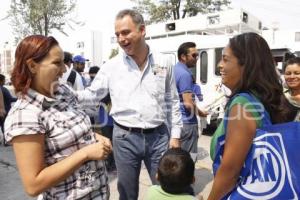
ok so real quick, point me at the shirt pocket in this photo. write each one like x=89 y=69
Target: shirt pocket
x=160 y=84
x=157 y=86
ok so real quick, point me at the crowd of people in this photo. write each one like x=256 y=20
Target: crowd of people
x=151 y=115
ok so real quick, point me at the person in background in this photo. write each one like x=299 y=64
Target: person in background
x=246 y=67
x=92 y=73
x=175 y=175
x=92 y=111
x=2 y=116
x=8 y=99
x=71 y=76
x=106 y=123
x=79 y=65
x=292 y=80
x=187 y=55
x=141 y=87
x=57 y=153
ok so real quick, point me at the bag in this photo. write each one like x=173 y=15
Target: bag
x=272 y=167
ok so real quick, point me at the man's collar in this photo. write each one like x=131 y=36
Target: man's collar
x=128 y=57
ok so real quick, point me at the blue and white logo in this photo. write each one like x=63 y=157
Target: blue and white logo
x=270 y=171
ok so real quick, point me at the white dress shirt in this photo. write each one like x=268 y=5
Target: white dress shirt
x=143 y=99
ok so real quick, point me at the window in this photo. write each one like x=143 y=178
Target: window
x=193 y=70
x=203 y=66
x=213 y=19
x=245 y=17
x=170 y=27
x=218 y=57
x=259 y=25
x=297 y=37
x=171 y=55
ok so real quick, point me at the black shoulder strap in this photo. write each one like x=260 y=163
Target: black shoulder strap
x=72 y=77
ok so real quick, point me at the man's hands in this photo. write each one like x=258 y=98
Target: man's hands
x=202 y=113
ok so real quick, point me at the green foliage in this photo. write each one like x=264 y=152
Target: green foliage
x=163 y=10
x=39 y=16
x=113 y=53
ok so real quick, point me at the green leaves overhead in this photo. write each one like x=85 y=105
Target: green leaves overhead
x=39 y=16
x=163 y=10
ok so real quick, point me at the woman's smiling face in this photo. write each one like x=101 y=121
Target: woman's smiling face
x=230 y=69
x=47 y=72
x=292 y=76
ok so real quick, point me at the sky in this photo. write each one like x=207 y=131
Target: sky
x=97 y=15
x=284 y=13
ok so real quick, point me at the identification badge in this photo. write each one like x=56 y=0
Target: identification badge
x=159 y=70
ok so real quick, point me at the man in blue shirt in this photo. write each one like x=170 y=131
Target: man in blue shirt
x=187 y=56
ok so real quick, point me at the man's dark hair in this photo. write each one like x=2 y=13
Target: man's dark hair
x=184 y=48
x=93 y=70
x=67 y=57
x=2 y=78
x=176 y=171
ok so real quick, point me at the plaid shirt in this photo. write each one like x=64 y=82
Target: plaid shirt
x=67 y=129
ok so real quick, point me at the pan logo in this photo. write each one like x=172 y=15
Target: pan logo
x=266 y=184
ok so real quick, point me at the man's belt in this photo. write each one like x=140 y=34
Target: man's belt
x=136 y=130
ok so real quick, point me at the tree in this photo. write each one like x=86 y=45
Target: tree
x=114 y=52
x=39 y=16
x=162 y=10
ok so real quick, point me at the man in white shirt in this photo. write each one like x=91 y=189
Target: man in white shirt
x=71 y=77
x=144 y=96
x=78 y=66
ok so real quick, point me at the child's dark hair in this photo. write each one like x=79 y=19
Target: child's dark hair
x=176 y=171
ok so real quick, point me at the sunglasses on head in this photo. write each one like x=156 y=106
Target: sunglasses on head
x=194 y=55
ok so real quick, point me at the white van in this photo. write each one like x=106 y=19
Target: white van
x=211 y=33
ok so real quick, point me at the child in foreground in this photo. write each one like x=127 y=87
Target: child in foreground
x=175 y=175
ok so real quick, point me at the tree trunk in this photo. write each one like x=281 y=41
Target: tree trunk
x=46 y=24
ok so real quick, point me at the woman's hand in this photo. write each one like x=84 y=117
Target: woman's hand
x=37 y=176
x=99 y=150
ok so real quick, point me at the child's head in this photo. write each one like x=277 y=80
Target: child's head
x=176 y=171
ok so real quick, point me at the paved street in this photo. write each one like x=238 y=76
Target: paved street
x=10 y=183
x=11 y=187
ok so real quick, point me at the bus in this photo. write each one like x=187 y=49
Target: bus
x=211 y=33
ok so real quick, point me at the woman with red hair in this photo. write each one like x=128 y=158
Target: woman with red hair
x=57 y=153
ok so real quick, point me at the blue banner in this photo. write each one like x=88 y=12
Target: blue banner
x=275 y=168
x=272 y=167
